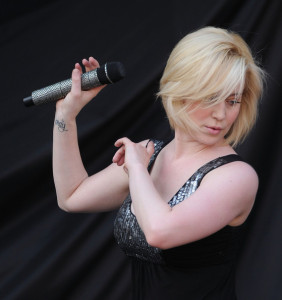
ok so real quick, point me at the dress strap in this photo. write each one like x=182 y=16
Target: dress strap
x=158 y=145
x=191 y=185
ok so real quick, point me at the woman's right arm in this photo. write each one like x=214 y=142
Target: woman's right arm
x=76 y=191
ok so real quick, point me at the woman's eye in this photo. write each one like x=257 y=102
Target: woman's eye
x=232 y=102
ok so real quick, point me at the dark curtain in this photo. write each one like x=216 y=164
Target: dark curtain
x=46 y=253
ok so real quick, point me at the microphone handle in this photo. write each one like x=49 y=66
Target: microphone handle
x=59 y=90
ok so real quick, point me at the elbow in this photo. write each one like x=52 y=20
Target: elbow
x=157 y=239
x=67 y=202
x=63 y=204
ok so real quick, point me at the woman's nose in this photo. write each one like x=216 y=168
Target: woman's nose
x=219 y=111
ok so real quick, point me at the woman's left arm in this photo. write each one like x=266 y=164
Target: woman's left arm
x=225 y=197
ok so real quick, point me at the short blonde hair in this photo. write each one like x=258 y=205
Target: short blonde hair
x=208 y=65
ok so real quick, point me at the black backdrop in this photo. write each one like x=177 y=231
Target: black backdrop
x=46 y=253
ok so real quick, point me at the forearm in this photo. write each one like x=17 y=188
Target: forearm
x=68 y=169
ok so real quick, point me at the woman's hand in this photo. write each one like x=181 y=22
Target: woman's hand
x=76 y=99
x=131 y=154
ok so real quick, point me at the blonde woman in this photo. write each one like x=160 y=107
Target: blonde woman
x=182 y=203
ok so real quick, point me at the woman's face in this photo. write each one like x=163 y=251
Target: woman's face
x=215 y=121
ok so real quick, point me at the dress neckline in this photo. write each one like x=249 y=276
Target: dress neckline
x=228 y=158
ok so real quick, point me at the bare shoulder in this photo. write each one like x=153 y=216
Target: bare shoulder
x=236 y=170
x=240 y=171
x=237 y=174
x=234 y=183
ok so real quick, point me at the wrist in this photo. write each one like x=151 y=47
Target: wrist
x=61 y=114
x=63 y=122
x=136 y=169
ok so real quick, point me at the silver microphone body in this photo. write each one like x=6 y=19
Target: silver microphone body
x=106 y=74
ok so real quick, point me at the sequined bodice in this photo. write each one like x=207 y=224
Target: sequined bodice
x=127 y=231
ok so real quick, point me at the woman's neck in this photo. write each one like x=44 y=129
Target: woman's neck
x=184 y=145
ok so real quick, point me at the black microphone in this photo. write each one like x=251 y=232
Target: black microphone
x=108 y=73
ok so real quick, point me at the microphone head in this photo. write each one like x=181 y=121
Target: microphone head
x=111 y=72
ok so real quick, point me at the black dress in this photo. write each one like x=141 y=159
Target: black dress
x=204 y=269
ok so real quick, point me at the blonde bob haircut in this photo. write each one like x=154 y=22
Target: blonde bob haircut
x=206 y=67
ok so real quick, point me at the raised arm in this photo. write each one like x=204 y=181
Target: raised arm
x=76 y=191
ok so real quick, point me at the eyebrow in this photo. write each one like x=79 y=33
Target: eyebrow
x=235 y=95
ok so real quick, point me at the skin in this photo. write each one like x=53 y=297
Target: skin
x=225 y=196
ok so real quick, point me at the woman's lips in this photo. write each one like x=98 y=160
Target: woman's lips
x=214 y=130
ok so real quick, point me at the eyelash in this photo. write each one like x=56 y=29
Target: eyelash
x=233 y=102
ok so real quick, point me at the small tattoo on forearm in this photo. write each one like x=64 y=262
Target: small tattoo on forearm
x=61 y=125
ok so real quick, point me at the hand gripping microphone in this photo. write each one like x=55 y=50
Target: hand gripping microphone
x=109 y=73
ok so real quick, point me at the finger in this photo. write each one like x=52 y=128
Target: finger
x=119 y=156
x=119 y=159
x=86 y=64
x=116 y=157
x=76 y=82
x=90 y=64
x=118 y=143
x=122 y=141
x=94 y=63
x=78 y=67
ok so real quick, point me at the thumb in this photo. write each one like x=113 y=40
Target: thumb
x=76 y=82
